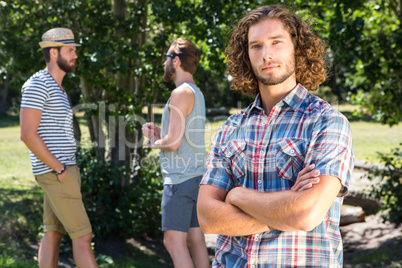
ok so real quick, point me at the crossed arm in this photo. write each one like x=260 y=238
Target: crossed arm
x=243 y=211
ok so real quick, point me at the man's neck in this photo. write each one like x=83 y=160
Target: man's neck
x=272 y=95
x=56 y=73
x=183 y=77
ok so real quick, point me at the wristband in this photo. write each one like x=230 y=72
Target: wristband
x=61 y=170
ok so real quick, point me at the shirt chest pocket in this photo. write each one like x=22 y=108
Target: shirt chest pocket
x=235 y=156
x=290 y=158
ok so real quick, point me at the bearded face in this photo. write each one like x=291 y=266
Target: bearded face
x=272 y=79
x=169 y=71
x=271 y=52
x=64 y=64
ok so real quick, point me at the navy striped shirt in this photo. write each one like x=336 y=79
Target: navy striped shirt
x=41 y=92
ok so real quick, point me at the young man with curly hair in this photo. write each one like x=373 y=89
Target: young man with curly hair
x=278 y=170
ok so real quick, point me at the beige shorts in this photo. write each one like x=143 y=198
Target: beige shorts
x=63 y=209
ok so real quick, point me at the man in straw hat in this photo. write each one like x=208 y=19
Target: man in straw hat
x=47 y=130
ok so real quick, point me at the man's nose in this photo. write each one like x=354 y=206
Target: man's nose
x=266 y=53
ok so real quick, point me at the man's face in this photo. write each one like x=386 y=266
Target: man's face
x=66 y=59
x=271 y=52
x=169 y=68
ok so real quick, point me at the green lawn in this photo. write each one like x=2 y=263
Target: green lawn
x=15 y=167
x=21 y=198
x=368 y=139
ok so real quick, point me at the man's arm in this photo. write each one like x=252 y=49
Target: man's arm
x=29 y=121
x=181 y=104
x=331 y=151
x=288 y=210
x=217 y=214
x=217 y=217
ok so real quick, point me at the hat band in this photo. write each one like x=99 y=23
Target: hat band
x=66 y=41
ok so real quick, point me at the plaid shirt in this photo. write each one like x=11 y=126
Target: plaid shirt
x=265 y=153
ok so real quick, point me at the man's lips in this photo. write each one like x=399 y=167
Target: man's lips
x=270 y=67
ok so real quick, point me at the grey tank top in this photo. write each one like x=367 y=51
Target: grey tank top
x=188 y=161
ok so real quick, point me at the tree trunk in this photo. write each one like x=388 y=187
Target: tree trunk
x=124 y=141
x=94 y=122
x=77 y=130
x=3 y=95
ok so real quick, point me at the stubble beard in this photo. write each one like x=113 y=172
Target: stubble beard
x=63 y=65
x=271 y=80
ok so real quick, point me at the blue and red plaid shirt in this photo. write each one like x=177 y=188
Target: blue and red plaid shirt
x=265 y=153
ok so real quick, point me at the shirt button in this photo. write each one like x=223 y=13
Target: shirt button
x=259 y=181
x=252 y=266
x=292 y=151
x=256 y=238
x=262 y=151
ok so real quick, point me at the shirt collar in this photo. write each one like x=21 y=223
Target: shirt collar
x=294 y=99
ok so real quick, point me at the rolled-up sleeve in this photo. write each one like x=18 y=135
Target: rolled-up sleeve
x=219 y=170
x=330 y=148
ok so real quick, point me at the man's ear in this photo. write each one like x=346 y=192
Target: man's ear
x=176 y=61
x=53 y=52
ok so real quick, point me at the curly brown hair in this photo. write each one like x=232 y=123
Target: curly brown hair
x=311 y=68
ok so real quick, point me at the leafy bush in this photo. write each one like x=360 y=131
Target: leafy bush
x=389 y=188
x=116 y=210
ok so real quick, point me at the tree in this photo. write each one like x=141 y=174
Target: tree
x=365 y=53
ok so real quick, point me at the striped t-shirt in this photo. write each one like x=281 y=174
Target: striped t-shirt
x=41 y=92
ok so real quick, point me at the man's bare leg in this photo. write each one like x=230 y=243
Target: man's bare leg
x=198 y=248
x=176 y=244
x=48 y=255
x=83 y=254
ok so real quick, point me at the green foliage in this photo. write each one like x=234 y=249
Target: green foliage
x=389 y=188
x=364 y=54
x=11 y=261
x=116 y=210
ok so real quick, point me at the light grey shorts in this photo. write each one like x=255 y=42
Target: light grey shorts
x=179 y=205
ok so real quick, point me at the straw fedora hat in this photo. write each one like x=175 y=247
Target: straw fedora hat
x=58 y=37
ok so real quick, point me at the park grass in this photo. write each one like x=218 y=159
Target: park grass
x=21 y=198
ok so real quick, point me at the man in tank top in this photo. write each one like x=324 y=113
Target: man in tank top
x=182 y=145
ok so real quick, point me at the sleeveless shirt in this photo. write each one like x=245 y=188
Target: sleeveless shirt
x=188 y=161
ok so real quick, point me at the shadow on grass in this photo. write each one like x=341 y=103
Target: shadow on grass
x=20 y=219
x=139 y=252
x=386 y=254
